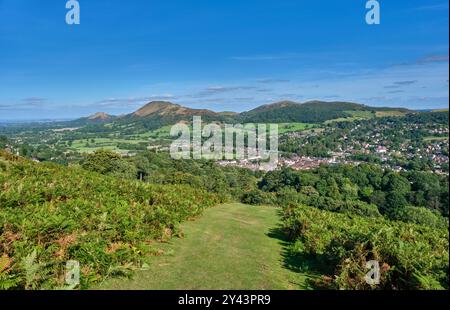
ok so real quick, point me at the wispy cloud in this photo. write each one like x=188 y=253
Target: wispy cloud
x=401 y=83
x=134 y=100
x=6 y=106
x=371 y=99
x=433 y=59
x=273 y=81
x=433 y=7
x=244 y=99
x=214 y=90
x=425 y=60
x=282 y=56
x=395 y=91
x=34 y=100
x=25 y=103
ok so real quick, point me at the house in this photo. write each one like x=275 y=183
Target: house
x=381 y=149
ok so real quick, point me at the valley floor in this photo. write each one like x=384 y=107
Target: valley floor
x=232 y=246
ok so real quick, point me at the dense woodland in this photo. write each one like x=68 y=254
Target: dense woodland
x=365 y=189
x=308 y=112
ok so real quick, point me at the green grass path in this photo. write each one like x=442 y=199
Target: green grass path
x=232 y=246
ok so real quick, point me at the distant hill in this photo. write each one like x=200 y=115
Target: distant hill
x=101 y=117
x=94 y=119
x=308 y=112
x=157 y=114
x=163 y=108
x=440 y=110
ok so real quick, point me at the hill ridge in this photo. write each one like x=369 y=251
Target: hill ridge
x=156 y=114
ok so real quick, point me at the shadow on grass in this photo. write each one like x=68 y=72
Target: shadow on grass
x=311 y=266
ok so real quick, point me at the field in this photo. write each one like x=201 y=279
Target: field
x=90 y=145
x=435 y=139
x=128 y=143
x=389 y=113
x=233 y=246
x=354 y=115
x=291 y=127
x=115 y=141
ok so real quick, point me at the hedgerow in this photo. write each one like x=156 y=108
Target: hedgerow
x=411 y=256
x=51 y=214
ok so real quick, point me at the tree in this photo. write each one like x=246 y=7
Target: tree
x=109 y=163
x=394 y=201
x=3 y=142
x=288 y=197
x=257 y=197
x=418 y=215
x=394 y=182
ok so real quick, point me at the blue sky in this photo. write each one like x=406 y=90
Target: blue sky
x=221 y=55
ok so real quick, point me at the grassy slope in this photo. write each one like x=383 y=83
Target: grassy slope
x=233 y=246
x=291 y=127
x=389 y=113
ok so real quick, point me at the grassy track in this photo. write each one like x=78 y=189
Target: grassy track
x=232 y=246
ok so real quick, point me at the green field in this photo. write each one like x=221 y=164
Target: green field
x=389 y=113
x=354 y=115
x=435 y=138
x=233 y=246
x=113 y=141
x=361 y=114
x=88 y=145
x=290 y=127
x=163 y=132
